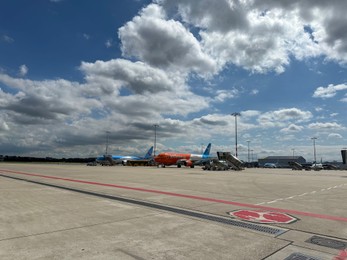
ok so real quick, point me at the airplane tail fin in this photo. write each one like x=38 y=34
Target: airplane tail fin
x=149 y=153
x=207 y=151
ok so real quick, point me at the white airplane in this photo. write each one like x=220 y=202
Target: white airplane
x=122 y=159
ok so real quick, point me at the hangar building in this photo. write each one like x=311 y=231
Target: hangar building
x=281 y=161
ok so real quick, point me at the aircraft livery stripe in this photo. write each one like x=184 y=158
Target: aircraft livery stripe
x=234 y=203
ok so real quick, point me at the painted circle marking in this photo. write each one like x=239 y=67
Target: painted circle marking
x=262 y=216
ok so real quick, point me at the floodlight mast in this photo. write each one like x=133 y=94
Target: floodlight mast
x=236 y=114
x=248 y=141
x=314 y=148
x=155 y=138
x=107 y=133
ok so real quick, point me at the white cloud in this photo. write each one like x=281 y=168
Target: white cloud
x=325 y=126
x=241 y=33
x=213 y=120
x=262 y=36
x=139 y=77
x=37 y=101
x=152 y=88
x=326 y=20
x=23 y=70
x=224 y=94
x=329 y=92
x=163 y=43
x=292 y=128
x=334 y=136
x=250 y=113
x=4 y=127
x=279 y=117
x=6 y=38
x=221 y=16
x=108 y=43
x=254 y=92
x=86 y=36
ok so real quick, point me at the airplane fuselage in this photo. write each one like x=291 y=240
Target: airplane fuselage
x=186 y=159
x=176 y=158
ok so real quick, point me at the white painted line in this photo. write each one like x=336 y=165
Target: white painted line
x=303 y=194
x=271 y=201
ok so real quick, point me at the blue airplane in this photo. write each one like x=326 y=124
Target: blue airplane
x=109 y=159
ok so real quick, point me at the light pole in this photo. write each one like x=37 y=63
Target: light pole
x=235 y=114
x=155 y=138
x=107 y=133
x=248 y=149
x=293 y=153
x=314 y=148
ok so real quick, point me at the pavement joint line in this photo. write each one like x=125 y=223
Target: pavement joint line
x=234 y=203
x=279 y=249
x=75 y=228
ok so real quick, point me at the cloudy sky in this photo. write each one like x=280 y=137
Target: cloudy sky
x=72 y=70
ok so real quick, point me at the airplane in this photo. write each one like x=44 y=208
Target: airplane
x=317 y=166
x=179 y=159
x=108 y=159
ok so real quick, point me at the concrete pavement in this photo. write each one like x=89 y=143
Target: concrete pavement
x=45 y=222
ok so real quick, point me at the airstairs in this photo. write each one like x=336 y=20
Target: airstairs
x=225 y=161
x=296 y=166
x=233 y=162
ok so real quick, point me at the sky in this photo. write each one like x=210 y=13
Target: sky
x=75 y=75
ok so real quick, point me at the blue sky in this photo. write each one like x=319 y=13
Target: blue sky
x=72 y=70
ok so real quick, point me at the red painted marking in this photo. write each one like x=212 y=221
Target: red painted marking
x=289 y=211
x=262 y=216
x=341 y=256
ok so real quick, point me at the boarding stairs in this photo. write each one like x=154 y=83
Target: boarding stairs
x=296 y=166
x=232 y=161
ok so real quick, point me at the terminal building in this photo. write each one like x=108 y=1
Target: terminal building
x=281 y=161
x=344 y=156
x=344 y=159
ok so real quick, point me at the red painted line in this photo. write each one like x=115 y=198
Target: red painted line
x=289 y=211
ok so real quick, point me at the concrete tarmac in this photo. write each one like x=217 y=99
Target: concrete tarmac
x=63 y=211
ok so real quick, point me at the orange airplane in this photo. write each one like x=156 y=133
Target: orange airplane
x=179 y=159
